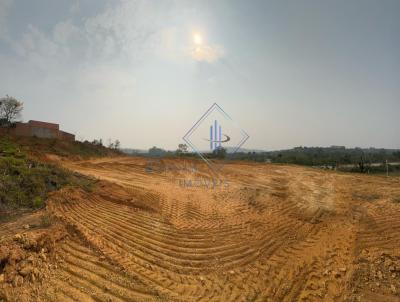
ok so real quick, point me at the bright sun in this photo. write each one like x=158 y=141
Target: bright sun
x=197 y=38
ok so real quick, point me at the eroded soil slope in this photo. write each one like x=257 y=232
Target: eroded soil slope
x=269 y=233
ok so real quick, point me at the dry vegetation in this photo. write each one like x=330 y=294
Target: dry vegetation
x=277 y=233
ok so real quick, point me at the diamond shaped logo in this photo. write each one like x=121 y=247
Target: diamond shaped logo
x=214 y=135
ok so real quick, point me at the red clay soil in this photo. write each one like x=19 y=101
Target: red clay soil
x=271 y=233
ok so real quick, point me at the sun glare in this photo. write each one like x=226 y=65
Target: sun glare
x=197 y=38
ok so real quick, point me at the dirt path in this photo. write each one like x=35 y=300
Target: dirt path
x=272 y=233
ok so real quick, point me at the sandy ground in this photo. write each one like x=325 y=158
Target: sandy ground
x=263 y=233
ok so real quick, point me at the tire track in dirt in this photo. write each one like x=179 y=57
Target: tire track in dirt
x=277 y=233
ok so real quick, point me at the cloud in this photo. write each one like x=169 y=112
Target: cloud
x=207 y=53
x=121 y=32
x=75 y=7
x=91 y=61
x=125 y=30
x=5 y=6
x=64 y=31
x=35 y=45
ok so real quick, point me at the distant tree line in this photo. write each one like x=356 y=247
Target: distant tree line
x=335 y=157
x=353 y=159
x=183 y=151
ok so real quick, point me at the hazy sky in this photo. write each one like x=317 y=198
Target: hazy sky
x=291 y=73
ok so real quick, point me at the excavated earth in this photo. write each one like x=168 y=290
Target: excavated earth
x=264 y=233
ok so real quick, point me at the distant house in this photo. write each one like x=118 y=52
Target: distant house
x=38 y=129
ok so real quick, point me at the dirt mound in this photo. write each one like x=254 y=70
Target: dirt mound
x=27 y=259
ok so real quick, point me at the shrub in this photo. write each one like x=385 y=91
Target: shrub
x=26 y=183
x=37 y=202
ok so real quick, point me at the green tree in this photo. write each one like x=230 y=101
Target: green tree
x=182 y=149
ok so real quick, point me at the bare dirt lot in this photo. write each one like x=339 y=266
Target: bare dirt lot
x=268 y=233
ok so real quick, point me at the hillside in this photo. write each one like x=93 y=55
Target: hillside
x=39 y=147
x=27 y=175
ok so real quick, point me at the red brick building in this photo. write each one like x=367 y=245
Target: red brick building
x=38 y=129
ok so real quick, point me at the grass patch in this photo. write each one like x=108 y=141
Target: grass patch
x=27 y=183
